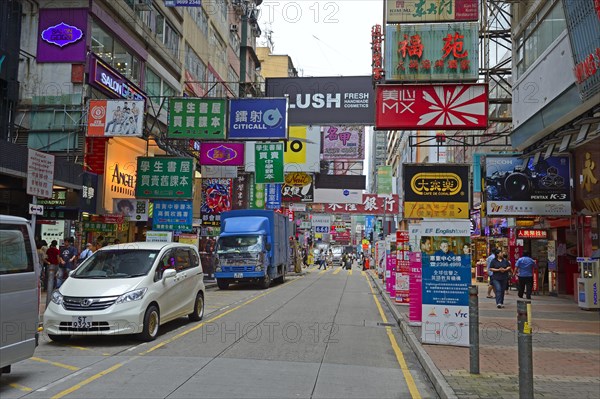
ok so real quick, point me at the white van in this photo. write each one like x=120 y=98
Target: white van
x=19 y=291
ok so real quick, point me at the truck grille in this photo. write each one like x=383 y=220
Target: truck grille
x=238 y=268
x=88 y=304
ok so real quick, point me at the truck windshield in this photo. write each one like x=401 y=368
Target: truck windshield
x=239 y=244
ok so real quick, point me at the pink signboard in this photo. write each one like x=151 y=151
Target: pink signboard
x=436 y=106
x=222 y=153
x=343 y=142
x=416 y=302
x=402 y=268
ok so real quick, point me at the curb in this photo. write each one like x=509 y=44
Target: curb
x=443 y=389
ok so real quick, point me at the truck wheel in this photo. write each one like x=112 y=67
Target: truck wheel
x=222 y=284
x=266 y=281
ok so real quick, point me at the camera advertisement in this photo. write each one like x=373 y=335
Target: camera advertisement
x=517 y=187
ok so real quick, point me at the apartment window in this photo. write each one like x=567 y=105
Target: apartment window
x=219 y=47
x=157 y=86
x=234 y=42
x=540 y=33
x=114 y=53
x=233 y=80
x=199 y=16
x=194 y=64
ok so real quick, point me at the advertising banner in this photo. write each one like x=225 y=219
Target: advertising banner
x=516 y=187
x=222 y=153
x=432 y=52
x=197 y=118
x=321 y=223
x=410 y=11
x=434 y=107
x=40 y=173
x=415 y=289
x=337 y=195
x=298 y=187
x=384 y=180
x=133 y=210
x=446 y=272
x=326 y=100
x=216 y=198
x=120 y=171
x=89 y=192
x=240 y=191
x=257 y=195
x=230 y=172
x=159 y=236
x=300 y=152
x=257 y=118
x=61 y=35
x=108 y=118
x=436 y=191
x=164 y=177
x=172 y=215
x=273 y=194
x=269 y=163
x=587 y=177
x=391 y=260
x=105 y=78
x=342 y=142
x=402 y=267
x=371 y=204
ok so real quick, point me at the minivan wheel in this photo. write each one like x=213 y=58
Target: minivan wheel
x=59 y=338
x=151 y=323
x=198 y=312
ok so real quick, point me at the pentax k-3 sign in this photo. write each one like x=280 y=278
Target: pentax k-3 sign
x=437 y=106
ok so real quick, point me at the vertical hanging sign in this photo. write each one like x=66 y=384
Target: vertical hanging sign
x=269 y=162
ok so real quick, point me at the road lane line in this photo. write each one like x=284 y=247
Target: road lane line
x=410 y=382
x=339 y=269
x=20 y=387
x=64 y=366
x=86 y=381
x=350 y=272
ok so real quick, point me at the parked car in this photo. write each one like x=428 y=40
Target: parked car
x=128 y=289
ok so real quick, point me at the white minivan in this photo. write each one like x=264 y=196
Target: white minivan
x=128 y=289
x=19 y=291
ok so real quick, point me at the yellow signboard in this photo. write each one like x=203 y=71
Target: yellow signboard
x=450 y=210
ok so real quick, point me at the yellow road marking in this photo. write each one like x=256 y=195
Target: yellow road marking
x=85 y=382
x=20 y=387
x=363 y=273
x=339 y=269
x=410 y=382
x=350 y=272
x=322 y=271
x=64 y=366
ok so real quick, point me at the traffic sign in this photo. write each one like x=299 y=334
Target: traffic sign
x=36 y=209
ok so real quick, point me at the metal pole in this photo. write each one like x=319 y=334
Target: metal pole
x=525 y=349
x=473 y=330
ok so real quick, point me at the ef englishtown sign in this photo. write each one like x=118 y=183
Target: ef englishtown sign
x=62 y=34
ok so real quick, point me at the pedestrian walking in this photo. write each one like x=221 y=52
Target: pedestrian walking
x=67 y=261
x=524 y=267
x=500 y=268
x=489 y=272
x=322 y=260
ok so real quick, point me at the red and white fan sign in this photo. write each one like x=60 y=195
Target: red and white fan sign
x=439 y=106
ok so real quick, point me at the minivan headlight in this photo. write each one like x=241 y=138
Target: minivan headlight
x=131 y=296
x=57 y=297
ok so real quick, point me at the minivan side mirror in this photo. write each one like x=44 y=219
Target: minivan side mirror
x=169 y=273
x=268 y=246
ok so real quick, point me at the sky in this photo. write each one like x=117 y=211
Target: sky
x=322 y=37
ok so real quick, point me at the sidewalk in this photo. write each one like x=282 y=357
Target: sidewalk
x=566 y=350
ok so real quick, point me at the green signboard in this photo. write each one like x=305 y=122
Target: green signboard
x=166 y=178
x=432 y=52
x=257 y=196
x=99 y=227
x=197 y=118
x=269 y=162
x=384 y=180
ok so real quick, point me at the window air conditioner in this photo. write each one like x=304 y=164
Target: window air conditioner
x=143 y=5
x=233 y=28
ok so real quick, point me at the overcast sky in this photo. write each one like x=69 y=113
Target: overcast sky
x=323 y=38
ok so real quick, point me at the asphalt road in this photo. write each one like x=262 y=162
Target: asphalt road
x=325 y=334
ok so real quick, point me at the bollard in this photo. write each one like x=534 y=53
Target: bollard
x=473 y=330
x=525 y=349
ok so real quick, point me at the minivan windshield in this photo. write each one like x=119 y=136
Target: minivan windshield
x=239 y=244
x=121 y=263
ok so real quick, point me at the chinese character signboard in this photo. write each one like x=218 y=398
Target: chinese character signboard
x=436 y=191
x=216 y=198
x=257 y=195
x=167 y=178
x=440 y=107
x=403 y=11
x=343 y=142
x=222 y=154
x=89 y=192
x=62 y=35
x=107 y=118
x=372 y=204
x=172 y=215
x=298 y=187
x=273 y=194
x=446 y=272
x=513 y=188
x=269 y=162
x=257 y=118
x=40 y=174
x=432 y=52
x=532 y=234
x=240 y=191
x=197 y=118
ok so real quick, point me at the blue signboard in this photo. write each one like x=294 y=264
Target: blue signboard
x=183 y=3
x=273 y=195
x=258 y=118
x=369 y=223
x=172 y=215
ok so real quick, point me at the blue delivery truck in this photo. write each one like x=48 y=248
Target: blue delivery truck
x=252 y=247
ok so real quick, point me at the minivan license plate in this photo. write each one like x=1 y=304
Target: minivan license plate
x=82 y=322
x=238 y=275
